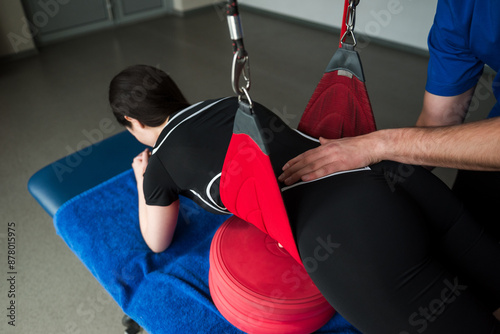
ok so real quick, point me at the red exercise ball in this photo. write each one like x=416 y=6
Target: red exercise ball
x=258 y=287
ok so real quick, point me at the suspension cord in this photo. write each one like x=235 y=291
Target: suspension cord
x=240 y=66
x=235 y=27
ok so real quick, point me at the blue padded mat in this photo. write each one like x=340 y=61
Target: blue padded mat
x=67 y=177
x=166 y=292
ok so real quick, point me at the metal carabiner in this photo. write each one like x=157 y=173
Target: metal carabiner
x=350 y=22
x=344 y=37
x=241 y=67
x=247 y=97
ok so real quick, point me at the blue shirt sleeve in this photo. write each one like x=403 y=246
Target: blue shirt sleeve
x=453 y=69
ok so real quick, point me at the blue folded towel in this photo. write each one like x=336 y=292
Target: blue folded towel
x=164 y=293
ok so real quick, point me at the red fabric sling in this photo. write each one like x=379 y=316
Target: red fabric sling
x=339 y=106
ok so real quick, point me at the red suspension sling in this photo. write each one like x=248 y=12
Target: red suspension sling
x=339 y=106
x=248 y=185
x=247 y=265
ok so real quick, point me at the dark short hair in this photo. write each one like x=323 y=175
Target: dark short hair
x=145 y=93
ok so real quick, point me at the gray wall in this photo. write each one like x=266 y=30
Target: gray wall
x=404 y=22
x=15 y=36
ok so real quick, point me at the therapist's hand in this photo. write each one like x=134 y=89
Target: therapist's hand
x=139 y=165
x=333 y=155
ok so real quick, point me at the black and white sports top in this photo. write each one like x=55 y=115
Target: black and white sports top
x=188 y=156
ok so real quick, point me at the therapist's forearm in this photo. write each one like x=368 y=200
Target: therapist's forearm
x=474 y=146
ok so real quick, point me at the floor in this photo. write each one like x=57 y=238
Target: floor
x=50 y=101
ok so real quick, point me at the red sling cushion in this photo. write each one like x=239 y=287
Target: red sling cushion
x=339 y=107
x=249 y=189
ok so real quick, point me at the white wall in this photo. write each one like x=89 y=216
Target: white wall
x=405 y=22
x=15 y=35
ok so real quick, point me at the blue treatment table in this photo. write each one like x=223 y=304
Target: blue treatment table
x=62 y=180
x=92 y=196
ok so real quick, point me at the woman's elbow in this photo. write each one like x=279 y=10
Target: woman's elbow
x=157 y=250
x=159 y=227
x=158 y=246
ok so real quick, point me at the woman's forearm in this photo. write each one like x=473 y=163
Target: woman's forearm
x=157 y=223
x=142 y=211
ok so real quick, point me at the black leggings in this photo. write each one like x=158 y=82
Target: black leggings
x=480 y=193
x=393 y=251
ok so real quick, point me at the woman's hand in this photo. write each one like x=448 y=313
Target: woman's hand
x=139 y=165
